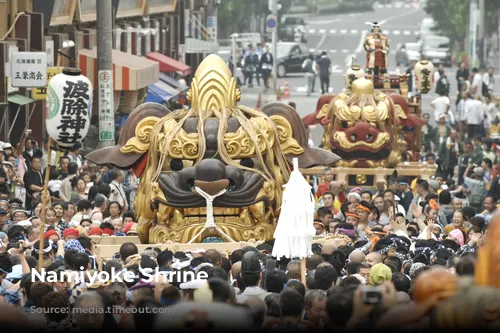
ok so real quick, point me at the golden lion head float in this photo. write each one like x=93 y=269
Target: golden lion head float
x=363 y=125
x=183 y=157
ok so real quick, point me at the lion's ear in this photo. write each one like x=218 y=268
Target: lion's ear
x=126 y=158
x=293 y=137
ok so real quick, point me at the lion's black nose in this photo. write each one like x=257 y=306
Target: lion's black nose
x=210 y=170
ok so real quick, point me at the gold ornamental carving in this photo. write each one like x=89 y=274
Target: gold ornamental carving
x=361 y=179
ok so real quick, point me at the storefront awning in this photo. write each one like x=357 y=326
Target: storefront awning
x=168 y=64
x=19 y=99
x=130 y=72
x=173 y=82
x=157 y=95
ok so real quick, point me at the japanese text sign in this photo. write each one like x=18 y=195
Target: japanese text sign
x=29 y=69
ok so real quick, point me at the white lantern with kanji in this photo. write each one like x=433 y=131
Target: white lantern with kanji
x=424 y=76
x=68 y=107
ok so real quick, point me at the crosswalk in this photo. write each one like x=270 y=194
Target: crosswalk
x=359 y=32
x=396 y=5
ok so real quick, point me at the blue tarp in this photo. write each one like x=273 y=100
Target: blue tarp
x=157 y=95
x=173 y=82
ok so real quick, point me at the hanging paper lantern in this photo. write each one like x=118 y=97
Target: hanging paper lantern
x=353 y=73
x=424 y=76
x=68 y=107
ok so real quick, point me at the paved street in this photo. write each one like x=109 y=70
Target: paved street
x=342 y=37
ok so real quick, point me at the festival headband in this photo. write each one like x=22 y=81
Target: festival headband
x=361 y=207
x=434 y=205
x=348 y=232
x=46 y=249
x=386 y=249
x=441 y=246
x=366 y=248
x=320 y=223
x=352 y=215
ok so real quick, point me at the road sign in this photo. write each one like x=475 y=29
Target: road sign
x=271 y=23
x=40 y=93
x=106 y=106
x=29 y=69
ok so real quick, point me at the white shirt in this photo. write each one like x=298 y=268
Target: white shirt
x=477 y=82
x=441 y=106
x=491 y=113
x=489 y=81
x=461 y=108
x=474 y=112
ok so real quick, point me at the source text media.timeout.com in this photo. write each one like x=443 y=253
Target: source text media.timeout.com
x=109 y=309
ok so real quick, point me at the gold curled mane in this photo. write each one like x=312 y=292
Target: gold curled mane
x=214 y=94
x=363 y=103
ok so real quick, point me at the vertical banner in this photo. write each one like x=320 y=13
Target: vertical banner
x=212 y=27
x=106 y=107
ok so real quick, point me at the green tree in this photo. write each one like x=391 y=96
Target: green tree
x=235 y=15
x=452 y=17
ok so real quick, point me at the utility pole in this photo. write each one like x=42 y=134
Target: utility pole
x=105 y=91
x=481 y=34
x=274 y=11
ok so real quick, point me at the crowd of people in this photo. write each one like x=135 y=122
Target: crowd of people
x=384 y=241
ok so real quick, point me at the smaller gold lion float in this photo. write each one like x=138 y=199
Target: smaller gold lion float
x=236 y=157
x=363 y=125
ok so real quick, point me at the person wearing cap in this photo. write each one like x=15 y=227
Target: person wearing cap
x=7 y=150
x=476 y=185
x=70 y=233
x=20 y=214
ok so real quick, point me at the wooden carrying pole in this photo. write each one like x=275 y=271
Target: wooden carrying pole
x=45 y=199
x=303 y=271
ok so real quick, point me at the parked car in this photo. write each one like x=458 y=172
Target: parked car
x=437 y=49
x=290 y=57
x=406 y=53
